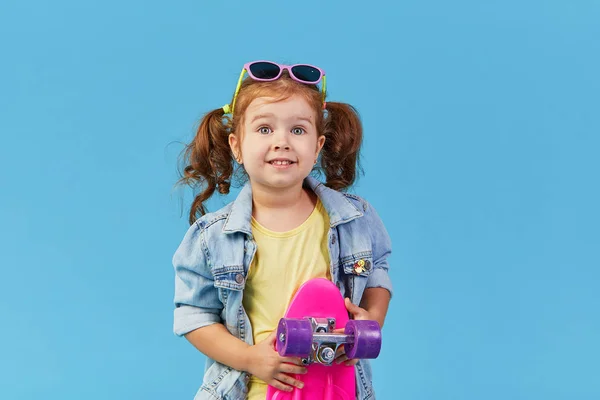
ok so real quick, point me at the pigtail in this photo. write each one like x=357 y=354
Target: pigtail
x=208 y=161
x=340 y=156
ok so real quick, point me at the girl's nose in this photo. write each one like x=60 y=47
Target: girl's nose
x=282 y=146
x=280 y=141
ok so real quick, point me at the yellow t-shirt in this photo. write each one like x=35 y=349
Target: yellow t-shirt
x=283 y=261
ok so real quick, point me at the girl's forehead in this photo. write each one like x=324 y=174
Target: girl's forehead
x=291 y=104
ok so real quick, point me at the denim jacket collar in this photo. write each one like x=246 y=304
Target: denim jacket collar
x=338 y=207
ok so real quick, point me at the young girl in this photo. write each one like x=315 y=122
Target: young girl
x=237 y=269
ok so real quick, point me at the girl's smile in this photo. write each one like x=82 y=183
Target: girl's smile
x=282 y=163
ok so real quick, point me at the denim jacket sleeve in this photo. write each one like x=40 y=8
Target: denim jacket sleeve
x=382 y=248
x=196 y=300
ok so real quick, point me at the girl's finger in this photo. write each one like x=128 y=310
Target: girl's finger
x=271 y=338
x=353 y=308
x=340 y=355
x=289 y=380
x=280 y=385
x=341 y=359
x=292 y=369
x=292 y=360
x=351 y=362
x=356 y=311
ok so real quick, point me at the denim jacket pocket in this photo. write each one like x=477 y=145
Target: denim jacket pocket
x=230 y=277
x=357 y=269
x=358 y=264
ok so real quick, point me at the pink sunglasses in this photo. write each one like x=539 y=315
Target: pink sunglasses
x=268 y=71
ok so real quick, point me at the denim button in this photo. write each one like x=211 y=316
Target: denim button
x=332 y=239
x=239 y=278
x=367 y=265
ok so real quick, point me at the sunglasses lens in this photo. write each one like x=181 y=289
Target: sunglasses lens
x=306 y=73
x=264 y=70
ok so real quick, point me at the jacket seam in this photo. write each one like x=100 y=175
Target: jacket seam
x=202 y=223
x=362 y=201
x=352 y=257
x=205 y=249
x=211 y=392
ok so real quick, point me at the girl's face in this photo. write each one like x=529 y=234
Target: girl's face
x=279 y=143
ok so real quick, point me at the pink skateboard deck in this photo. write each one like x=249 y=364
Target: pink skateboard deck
x=318 y=307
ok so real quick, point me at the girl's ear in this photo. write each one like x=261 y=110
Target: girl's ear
x=235 y=147
x=320 y=143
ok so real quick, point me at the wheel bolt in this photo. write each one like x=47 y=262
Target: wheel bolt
x=327 y=354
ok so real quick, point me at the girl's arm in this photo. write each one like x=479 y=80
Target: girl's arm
x=376 y=297
x=216 y=342
x=376 y=301
x=260 y=360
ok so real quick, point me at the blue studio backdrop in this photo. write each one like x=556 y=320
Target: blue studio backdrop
x=481 y=155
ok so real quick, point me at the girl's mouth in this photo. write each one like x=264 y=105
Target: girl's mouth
x=281 y=163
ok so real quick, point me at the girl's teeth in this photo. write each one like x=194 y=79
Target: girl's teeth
x=281 y=162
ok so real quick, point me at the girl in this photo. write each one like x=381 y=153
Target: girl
x=237 y=269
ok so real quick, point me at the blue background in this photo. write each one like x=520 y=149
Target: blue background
x=481 y=154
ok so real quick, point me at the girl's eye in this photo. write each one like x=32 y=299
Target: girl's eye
x=265 y=130
x=297 y=131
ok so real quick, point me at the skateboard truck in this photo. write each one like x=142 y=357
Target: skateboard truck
x=314 y=340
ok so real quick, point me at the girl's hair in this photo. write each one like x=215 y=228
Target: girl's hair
x=208 y=160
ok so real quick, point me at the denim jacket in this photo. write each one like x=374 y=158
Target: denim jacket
x=212 y=262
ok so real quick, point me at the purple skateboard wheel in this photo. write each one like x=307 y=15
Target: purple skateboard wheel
x=294 y=337
x=366 y=339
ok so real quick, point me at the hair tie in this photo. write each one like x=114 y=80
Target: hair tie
x=226 y=109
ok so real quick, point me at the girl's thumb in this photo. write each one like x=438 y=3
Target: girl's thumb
x=271 y=338
x=350 y=306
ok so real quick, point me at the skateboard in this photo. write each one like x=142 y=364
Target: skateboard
x=307 y=331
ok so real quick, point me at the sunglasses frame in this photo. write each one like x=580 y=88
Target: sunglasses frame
x=282 y=67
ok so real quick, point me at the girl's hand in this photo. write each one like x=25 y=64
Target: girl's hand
x=266 y=364
x=359 y=314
